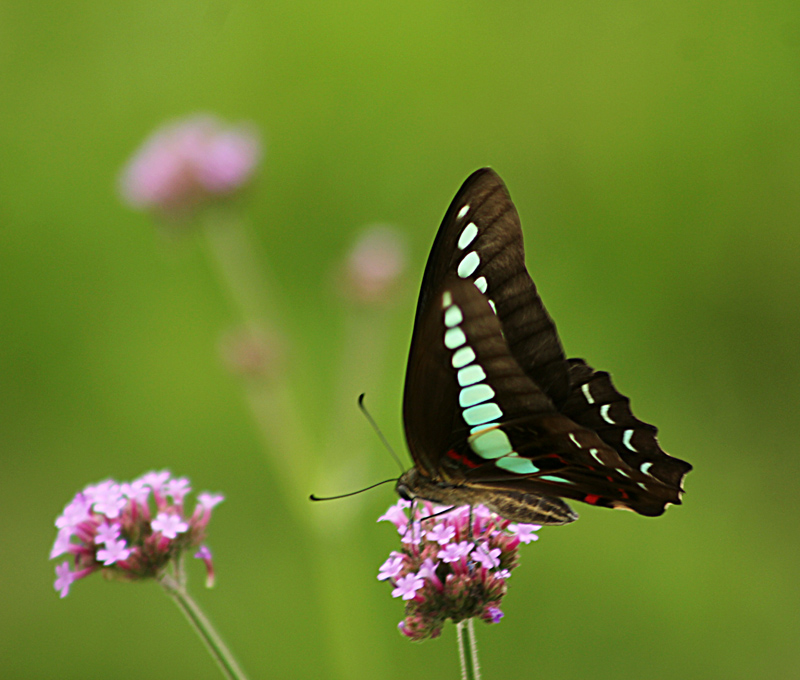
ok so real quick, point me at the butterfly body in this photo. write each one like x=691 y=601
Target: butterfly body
x=494 y=413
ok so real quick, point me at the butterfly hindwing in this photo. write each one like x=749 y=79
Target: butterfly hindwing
x=595 y=403
x=509 y=434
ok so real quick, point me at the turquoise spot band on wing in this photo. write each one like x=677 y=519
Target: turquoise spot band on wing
x=454 y=337
x=470 y=375
x=491 y=444
x=452 y=316
x=468 y=264
x=477 y=415
x=520 y=466
x=462 y=357
x=475 y=394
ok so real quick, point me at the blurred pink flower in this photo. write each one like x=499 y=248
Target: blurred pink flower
x=185 y=163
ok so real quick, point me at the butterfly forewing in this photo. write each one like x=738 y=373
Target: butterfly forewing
x=480 y=240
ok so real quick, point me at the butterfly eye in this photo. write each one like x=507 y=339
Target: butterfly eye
x=404 y=492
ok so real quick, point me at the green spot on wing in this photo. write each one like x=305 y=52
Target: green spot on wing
x=484 y=413
x=491 y=444
x=462 y=357
x=513 y=463
x=452 y=316
x=470 y=375
x=454 y=337
x=475 y=394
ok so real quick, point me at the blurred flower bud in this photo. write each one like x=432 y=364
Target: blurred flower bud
x=375 y=266
x=253 y=353
x=190 y=162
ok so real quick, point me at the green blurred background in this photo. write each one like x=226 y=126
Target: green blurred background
x=653 y=151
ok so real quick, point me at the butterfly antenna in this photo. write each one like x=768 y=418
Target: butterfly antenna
x=352 y=493
x=378 y=431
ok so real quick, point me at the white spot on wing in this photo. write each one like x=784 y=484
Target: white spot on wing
x=454 y=337
x=626 y=439
x=491 y=304
x=587 y=393
x=574 y=440
x=481 y=284
x=644 y=467
x=596 y=456
x=468 y=265
x=462 y=212
x=604 y=414
x=453 y=316
x=467 y=236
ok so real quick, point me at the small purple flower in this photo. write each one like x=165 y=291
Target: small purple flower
x=205 y=554
x=412 y=534
x=114 y=551
x=188 y=163
x=177 y=489
x=62 y=543
x=209 y=501
x=441 y=533
x=106 y=498
x=106 y=532
x=155 y=480
x=489 y=558
x=494 y=614
x=455 y=551
x=107 y=527
x=77 y=510
x=427 y=571
x=137 y=490
x=407 y=586
x=396 y=515
x=64 y=578
x=169 y=525
x=524 y=532
x=392 y=567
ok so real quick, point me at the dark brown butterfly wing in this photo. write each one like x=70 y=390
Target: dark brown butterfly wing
x=491 y=403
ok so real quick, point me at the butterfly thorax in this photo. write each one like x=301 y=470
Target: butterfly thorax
x=515 y=506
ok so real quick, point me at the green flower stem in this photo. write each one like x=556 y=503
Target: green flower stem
x=300 y=463
x=468 y=650
x=203 y=627
x=271 y=399
x=244 y=274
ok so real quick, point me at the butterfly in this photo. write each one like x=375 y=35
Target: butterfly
x=494 y=412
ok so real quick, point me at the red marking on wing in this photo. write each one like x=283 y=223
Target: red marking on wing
x=591 y=498
x=462 y=459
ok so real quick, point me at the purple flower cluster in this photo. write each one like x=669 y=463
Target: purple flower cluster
x=449 y=570
x=131 y=530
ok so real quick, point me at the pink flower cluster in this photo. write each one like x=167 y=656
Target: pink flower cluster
x=449 y=569
x=186 y=163
x=116 y=529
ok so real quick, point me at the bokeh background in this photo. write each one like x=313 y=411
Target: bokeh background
x=653 y=151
